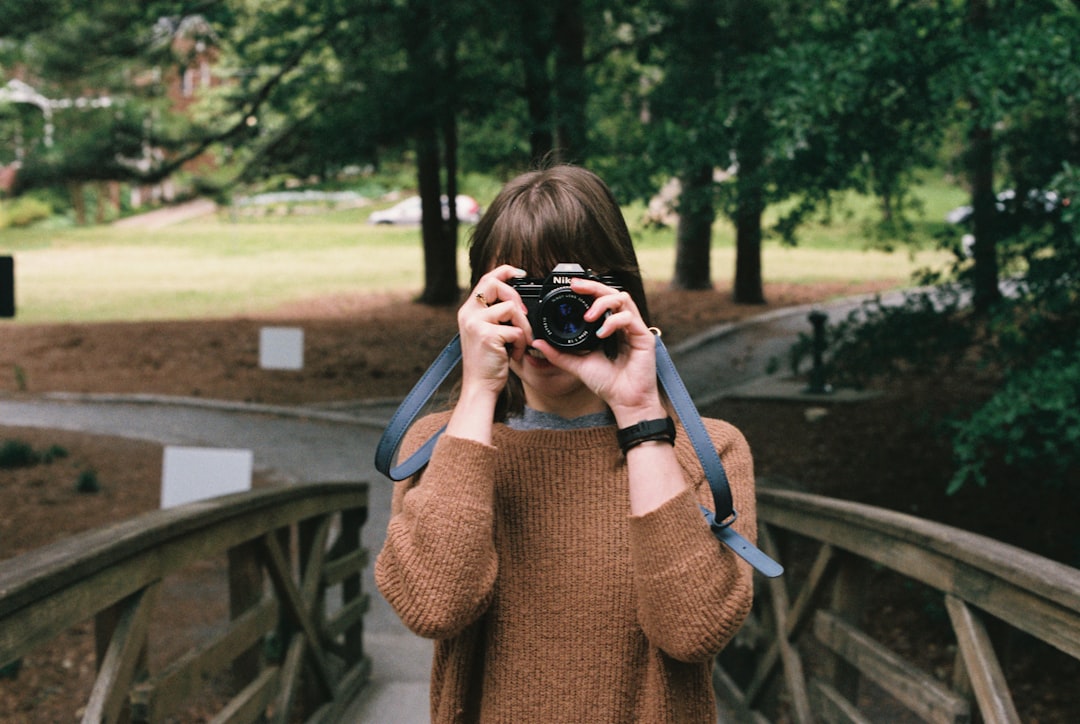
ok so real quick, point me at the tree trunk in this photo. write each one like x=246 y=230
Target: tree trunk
x=748 y=284
x=450 y=149
x=78 y=201
x=749 y=288
x=981 y=176
x=440 y=257
x=431 y=63
x=536 y=47
x=693 y=238
x=571 y=92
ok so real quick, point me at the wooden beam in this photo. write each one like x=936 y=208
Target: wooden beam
x=293 y=605
x=920 y=693
x=164 y=693
x=122 y=658
x=831 y=707
x=983 y=669
x=799 y=615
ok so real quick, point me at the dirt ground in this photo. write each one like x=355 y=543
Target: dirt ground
x=888 y=451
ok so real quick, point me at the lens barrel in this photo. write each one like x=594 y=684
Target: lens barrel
x=562 y=319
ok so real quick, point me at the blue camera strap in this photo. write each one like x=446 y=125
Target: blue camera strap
x=719 y=521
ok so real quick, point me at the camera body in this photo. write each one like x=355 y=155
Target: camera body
x=556 y=312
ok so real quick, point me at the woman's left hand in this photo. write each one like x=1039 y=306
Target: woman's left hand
x=627 y=383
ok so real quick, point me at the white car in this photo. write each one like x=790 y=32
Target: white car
x=408 y=211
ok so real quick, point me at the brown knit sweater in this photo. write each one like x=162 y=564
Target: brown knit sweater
x=548 y=601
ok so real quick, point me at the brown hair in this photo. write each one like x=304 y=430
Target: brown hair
x=550 y=216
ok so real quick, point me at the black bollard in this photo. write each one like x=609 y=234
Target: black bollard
x=818 y=386
x=7 y=286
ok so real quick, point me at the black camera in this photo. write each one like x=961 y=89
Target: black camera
x=557 y=313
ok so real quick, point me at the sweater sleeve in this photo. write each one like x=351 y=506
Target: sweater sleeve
x=438 y=564
x=693 y=592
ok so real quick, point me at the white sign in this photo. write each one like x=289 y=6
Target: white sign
x=281 y=348
x=197 y=473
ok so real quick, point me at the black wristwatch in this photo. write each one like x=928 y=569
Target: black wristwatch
x=646 y=431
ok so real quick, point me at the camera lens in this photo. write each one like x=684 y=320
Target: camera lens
x=562 y=317
x=566 y=318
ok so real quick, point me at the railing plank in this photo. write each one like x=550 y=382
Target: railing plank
x=980 y=661
x=831 y=707
x=920 y=693
x=339 y=569
x=248 y=706
x=347 y=616
x=793 y=668
x=163 y=694
x=49 y=590
x=975 y=574
x=199 y=529
x=125 y=652
x=798 y=616
x=1032 y=593
x=294 y=609
x=731 y=697
x=291 y=679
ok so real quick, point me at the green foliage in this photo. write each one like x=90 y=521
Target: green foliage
x=87 y=481
x=23 y=211
x=918 y=335
x=1026 y=435
x=17 y=454
x=1030 y=429
x=53 y=453
x=11 y=671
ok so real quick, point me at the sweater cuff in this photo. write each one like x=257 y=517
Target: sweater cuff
x=668 y=537
x=464 y=471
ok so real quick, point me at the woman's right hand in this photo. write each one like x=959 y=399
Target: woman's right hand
x=494 y=327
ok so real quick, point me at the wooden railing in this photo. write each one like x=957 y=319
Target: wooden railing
x=285 y=548
x=804 y=655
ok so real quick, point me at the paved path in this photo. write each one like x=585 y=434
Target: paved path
x=299 y=445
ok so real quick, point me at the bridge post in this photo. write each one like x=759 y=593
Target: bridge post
x=848 y=602
x=245 y=591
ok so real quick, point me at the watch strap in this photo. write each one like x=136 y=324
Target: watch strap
x=662 y=430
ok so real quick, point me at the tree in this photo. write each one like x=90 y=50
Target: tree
x=93 y=66
x=802 y=101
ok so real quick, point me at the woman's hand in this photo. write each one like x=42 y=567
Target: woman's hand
x=627 y=383
x=494 y=327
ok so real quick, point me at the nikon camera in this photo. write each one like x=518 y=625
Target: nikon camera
x=557 y=313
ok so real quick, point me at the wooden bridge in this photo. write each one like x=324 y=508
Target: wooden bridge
x=294 y=639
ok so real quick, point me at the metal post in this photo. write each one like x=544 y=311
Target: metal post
x=818 y=386
x=7 y=286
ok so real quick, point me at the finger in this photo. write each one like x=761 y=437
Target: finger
x=613 y=303
x=493 y=288
x=514 y=342
x=592 y=287
x=563 y=360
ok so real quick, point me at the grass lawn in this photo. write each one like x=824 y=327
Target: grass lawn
x=217 y=267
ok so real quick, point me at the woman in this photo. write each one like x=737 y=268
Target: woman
x=565 y=570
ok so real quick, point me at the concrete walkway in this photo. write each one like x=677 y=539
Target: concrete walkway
x=306 y=444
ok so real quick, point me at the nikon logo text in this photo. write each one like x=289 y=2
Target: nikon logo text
x=560 y=280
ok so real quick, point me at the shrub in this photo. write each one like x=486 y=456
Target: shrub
x=925 y=331
x=88 y=482
x=17 y=454
x=55 y=452
x=1030 y=427
x=24 y=211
